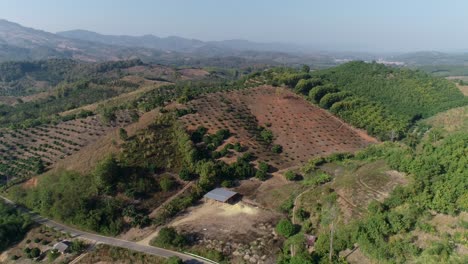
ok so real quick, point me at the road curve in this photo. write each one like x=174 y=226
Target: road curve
x=75 y=233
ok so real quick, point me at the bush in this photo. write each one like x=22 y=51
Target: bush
x=290 y=175
x=185 y=174
x=77 y=246
x=123 y=134
x=266 y=135
x=168 y=237
x=286 y=228
x=52 y=255
x=174 y=260
x=277 y=149
x=34 y=253
x=237 y=147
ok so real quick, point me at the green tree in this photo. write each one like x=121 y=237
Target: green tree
x=266 y=135
x=262 y=171
x=277 y=148
x=286 y=228
x=185 y=174
x=106 y=174
x=39 y=166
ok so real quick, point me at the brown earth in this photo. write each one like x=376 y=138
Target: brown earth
x=304 y=130
x=236 y=229
x=193 y=73
x=86 y=158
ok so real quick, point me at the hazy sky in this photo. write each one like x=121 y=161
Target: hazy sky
x=372 y=25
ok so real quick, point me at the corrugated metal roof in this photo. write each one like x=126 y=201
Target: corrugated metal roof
x=220 y=194
x=61 y=246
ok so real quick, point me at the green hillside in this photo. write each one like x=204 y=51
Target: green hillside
x=402 y=91
x=385 y=101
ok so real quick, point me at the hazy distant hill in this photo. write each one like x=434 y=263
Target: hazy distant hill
x=22 y=43
x=18 y=43
x=180 y=44
x=147 y=41
x=432 y=58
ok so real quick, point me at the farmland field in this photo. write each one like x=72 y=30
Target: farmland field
x=303 y=130
x=23 y=149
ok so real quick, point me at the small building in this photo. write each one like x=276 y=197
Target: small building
x=62 y=246
x=221 y=195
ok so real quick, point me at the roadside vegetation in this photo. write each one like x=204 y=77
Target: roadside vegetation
x=13 y=225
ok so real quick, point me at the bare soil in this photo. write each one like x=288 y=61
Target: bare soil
x=302 y=129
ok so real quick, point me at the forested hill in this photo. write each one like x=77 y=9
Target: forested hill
x=385 y=101
x=402 y=91
x=28 y=77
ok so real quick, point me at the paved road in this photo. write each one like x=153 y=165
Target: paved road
x=110 y=240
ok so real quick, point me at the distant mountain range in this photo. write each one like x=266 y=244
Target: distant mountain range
x=179 y=44
x=21 y=43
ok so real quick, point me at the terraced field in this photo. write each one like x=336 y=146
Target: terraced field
x=25 y=151
x=302 y=129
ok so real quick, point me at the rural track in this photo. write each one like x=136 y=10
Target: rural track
x=363 y=184
x=188 y=185
x=293 y=218
x=75 y=233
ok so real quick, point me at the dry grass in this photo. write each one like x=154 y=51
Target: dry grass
x=453 y=120
x=85 y=159
x=104 y=254
x=224 y=221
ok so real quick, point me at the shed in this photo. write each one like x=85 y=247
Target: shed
x=221 y=195
x=62 y=246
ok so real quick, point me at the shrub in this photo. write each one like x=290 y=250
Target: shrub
x=290 y=175
x=168 y=237
x=174 y=260
x=52 y=255
x=185 y=174
x=277 y=149
x=123 y=134
x=77 y=246
x=35 y=252
x=285 y=228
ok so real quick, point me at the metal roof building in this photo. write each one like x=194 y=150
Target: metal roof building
x=220 y=195
x=62 y=246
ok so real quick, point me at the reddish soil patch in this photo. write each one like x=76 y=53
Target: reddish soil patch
x=304 y=130
x=193 y=73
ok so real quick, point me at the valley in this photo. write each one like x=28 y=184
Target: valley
x=127 y=149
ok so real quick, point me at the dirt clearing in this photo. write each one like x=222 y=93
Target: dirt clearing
x=239 y=230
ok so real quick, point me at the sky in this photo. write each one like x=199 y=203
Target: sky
x=348 y=25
